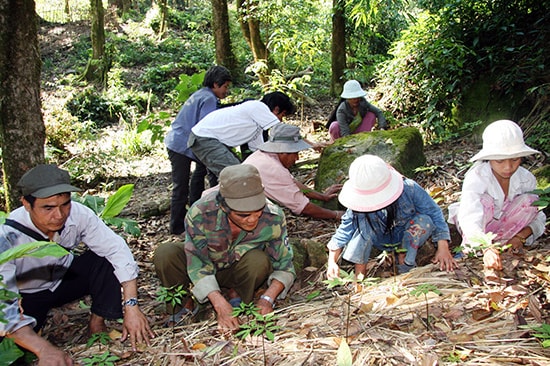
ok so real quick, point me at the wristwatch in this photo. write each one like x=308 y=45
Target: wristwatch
x=268 y=299
x=130 y=302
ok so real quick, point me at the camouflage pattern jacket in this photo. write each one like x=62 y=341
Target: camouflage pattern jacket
x=209 y=246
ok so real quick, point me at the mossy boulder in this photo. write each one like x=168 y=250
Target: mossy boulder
x=402 y=148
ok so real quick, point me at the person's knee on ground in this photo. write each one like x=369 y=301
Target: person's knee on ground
x=249 y=273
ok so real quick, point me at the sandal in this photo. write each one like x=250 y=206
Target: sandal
x=184 y=313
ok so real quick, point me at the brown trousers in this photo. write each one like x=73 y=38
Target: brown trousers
x=244 y=276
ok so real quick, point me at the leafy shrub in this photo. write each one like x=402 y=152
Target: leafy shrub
x=105 y=108
x=422 y=83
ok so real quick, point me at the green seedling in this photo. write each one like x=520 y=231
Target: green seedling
x=102 y=338
x=543 y=333
x=173 y=295
x=343 y=280
x=257 y=324
x=424 y=289
x=104 y=359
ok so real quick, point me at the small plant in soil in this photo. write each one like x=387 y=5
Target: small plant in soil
x=542 y=333
x=256 y=324
x=102 y=338
x=344 y=280
x=104 y=359
x=424 y=289
x=172 y=295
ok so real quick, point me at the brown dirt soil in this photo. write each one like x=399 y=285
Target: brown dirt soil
x=473 y=320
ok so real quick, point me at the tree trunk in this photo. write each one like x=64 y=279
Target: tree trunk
x=98 y=65
x=222 y=39
x=250 y=26
x=338 y=47
x=22 y=131
x=68 y=10
x=163 y=16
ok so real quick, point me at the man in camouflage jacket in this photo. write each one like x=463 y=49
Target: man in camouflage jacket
x=235 y=240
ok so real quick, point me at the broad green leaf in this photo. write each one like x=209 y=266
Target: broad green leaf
x=117 y=201
x=37 y=249
x=9 y=352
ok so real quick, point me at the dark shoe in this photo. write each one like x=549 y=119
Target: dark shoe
x=404 y=268
x=184 y=313
x=235 y=302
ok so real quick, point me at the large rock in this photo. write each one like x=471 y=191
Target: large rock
x=402 y=148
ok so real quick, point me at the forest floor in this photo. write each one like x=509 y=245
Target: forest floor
x=473 y=319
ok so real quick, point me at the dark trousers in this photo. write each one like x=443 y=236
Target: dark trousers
x=88 y=274
x=244 y=276
x=182 y=191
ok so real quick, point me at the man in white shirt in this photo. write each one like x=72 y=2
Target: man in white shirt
x=48 y=214
x=213 y=137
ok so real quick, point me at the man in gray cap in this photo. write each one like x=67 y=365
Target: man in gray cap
x=273 y=160
x=48 y=214
x=235 y=240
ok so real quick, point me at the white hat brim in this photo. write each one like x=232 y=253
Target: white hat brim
x=366 y=201
x=485 y=154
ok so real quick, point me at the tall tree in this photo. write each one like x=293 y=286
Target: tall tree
x=98 y=65
x=22 y=130
x=250 y=26
x=222 y=39
x=338 y=46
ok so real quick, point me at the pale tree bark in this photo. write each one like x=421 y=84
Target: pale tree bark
x=250 y=26
x=338 y=47
x=98 y=65
x=163 y=16
x=22 y=131
x=222 y=39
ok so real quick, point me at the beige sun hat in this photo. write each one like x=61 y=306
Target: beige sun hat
x=284 y=138
x=373 y=184
x=241 y=187
x=503 y=139
x=352 y=89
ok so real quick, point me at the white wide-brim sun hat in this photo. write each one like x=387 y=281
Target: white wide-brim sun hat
x=503 y=139
x=352 y=89
x=372 y=185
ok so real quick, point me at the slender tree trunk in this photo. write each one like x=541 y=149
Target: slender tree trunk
x=222 y=39
x=338 y=47
x=68 y=9
x=250 y=26
x=22 y=131
x=98 y=65
x=163 y=16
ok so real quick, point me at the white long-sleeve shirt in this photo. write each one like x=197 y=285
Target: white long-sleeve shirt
x=480 y=180
x=82 y=226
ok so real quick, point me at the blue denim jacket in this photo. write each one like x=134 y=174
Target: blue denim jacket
x=414 y=200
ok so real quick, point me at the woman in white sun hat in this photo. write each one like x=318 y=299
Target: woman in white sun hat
x=354 y=114
x=384 y=208
x=495 y=193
